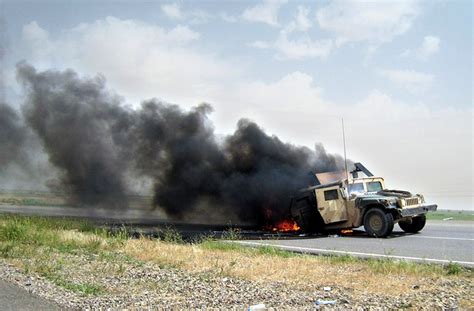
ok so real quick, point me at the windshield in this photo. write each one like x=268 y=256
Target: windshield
x=356 y=188
x=374 y=186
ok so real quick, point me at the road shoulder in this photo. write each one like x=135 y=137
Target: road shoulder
x=13 y=297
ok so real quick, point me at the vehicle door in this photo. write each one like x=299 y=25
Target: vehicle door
x=331 y=204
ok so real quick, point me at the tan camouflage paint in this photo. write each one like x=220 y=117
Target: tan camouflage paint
x=332 y=210
x=342 y=213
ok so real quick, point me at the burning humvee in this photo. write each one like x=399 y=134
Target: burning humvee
x=342 y=202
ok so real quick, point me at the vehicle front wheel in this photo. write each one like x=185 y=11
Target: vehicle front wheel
x=378 y=223
x=416 y=224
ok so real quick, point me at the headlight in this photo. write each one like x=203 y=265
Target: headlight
x=388 y=202
x=422 y=198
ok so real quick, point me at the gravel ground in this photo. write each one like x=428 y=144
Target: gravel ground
x=138 y=285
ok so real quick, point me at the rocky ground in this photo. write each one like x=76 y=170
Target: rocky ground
x=138 y=285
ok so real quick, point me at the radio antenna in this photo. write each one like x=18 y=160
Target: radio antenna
x=345 y=157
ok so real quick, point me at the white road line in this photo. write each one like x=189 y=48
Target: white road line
x=372 y=255
x=437 y=237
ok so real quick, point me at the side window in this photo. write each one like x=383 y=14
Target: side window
x=331 y=195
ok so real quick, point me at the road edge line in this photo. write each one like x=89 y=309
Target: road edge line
x=308 y=250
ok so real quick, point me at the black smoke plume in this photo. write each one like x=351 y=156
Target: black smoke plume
x=12 y=137
x=94 y=140
x=78 y=123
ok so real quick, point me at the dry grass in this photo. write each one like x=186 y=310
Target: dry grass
x=298 y=270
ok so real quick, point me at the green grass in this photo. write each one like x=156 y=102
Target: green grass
x=19 y=234
x=221 y=245
x=51 y=271
x=171 y=235
x=456 y=215
x=384 y=266
x=85 y=289
x=41 y=231
x=56 y=199
x=38 y=243
x=35 y=201
x=215 y=244
x=454 y=269
x=232 y=234
x=275 y=251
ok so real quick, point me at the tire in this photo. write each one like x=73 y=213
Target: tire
x=378 y=223
x=416 y=224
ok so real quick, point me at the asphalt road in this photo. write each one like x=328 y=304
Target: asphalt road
x=439 y=242
x=15 y=298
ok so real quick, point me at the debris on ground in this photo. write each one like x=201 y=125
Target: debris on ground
x=258 y=307
x=320 y=302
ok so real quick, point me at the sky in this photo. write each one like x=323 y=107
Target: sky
x=398 y=72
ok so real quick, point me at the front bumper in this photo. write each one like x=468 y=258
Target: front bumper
x=421 y=209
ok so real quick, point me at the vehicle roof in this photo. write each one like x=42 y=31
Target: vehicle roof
x=339 y=183
x=364 y=179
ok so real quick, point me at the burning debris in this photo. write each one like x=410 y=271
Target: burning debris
x=99 y=145
x=286 y=225
x=347 y=232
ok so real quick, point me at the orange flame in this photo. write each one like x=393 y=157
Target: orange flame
x=286 y=225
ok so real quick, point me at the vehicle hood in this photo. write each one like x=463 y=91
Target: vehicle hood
x=385 y=194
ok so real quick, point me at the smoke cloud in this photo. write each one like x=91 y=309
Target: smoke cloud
x=97 y=143
x=77 y=122
x=12 y=137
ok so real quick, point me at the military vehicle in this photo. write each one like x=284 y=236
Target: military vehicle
x=348 y=203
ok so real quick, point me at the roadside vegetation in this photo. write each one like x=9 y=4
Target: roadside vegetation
x=32 y=198
x=53 y=248
x=451 y=215
x=56 y=199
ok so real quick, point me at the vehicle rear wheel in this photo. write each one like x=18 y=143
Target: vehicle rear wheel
x=416 y=224
x=378 y=223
